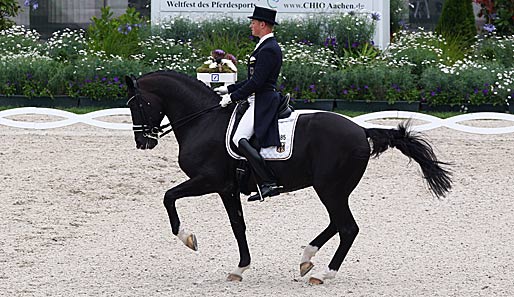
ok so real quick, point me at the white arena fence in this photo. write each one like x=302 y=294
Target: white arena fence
x=363 y=120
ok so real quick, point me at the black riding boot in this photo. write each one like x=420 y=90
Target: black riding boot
x=268 y=188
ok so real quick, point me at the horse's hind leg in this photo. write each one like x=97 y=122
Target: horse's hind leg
x=310 y=251
x=334 y=195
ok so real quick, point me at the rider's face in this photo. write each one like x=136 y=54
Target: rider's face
x=257 y=27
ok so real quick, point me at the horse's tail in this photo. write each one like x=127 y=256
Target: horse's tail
x=415 y=147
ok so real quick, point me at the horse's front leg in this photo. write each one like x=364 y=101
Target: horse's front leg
x=189 y=188
x=232 y=204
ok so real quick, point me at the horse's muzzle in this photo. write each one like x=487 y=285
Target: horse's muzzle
x=145 y=143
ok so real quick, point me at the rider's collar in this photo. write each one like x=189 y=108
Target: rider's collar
x=269 y=35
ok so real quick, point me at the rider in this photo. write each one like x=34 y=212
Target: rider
x=261 y=118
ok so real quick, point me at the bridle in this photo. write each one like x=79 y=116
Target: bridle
x=157 y=132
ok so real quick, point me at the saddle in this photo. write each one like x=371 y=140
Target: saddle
x=243 y=169
x=284 y=111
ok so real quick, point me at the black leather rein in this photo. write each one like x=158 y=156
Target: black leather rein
x=159 y=132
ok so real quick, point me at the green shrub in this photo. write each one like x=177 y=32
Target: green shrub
x=66 y=45
x=466 y=83
x=496 y=48
x=423 y=49
x=159 y=53
x=98 y=78
x=303 y=68
x=179 y=28
x=348 y=34
x=8 y=9
x=232 y=36
x=457 y=21
x=116 y=36
x=19 y=40
x=27 y=75
x=399 y=15
x=379 y=82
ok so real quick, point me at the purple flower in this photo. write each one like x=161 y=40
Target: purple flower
x=330 y=41
x=489 y=28
x=312 y=88
x=34 y=4
x=485 y=91
x=116 y=79
x=355 y=44
x=403 y=24
x=432 y=93
x=104 y=79
x=231 y=58
x=129 y=28
x=345 y=91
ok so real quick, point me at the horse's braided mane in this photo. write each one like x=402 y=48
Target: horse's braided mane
x=195 y=83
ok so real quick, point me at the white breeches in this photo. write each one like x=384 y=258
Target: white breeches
x=245 y=127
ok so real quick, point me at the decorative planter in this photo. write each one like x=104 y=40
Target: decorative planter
x=372 y=106
x=487 y=107
x=318 y=104
x=108 y=103
x=225 y=78
x=23 y=101
x=441 y=107
x=59 y=101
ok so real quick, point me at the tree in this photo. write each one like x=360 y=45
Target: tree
x=457 y=21
x=8 y=9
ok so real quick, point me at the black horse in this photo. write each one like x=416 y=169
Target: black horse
x=330 y=154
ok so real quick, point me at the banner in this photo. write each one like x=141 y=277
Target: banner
x=201 y=9
x=291 y=6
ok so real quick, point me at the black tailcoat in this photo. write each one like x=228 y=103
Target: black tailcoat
x=263 y=69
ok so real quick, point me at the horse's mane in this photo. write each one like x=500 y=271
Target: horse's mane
x=192 y=83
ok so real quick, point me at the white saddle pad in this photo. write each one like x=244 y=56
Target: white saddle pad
x=286 y=128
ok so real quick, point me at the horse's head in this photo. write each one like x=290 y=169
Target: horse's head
x=147 y=114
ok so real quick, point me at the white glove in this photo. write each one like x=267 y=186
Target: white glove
x=221 y=90
x=225 y=100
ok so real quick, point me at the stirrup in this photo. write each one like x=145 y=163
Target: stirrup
x=274 y=191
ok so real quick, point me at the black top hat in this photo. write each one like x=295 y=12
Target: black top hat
x=264 y=14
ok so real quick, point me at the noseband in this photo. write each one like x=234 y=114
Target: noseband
x=157 y=132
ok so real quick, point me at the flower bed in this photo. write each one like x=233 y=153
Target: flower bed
x=418 y=67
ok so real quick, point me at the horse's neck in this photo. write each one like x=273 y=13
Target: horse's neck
x=183 y=105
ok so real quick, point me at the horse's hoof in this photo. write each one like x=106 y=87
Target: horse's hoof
x=305 y=267
x=315 y=281
x=191 y=242
x=234 y=278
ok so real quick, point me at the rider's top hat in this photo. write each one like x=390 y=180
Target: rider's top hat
x=264 y=14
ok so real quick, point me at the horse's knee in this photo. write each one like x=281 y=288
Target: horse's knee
x=350 y=230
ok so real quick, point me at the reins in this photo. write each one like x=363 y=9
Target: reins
x=159 y=132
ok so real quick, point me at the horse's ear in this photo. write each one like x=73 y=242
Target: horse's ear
x=130 y=81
